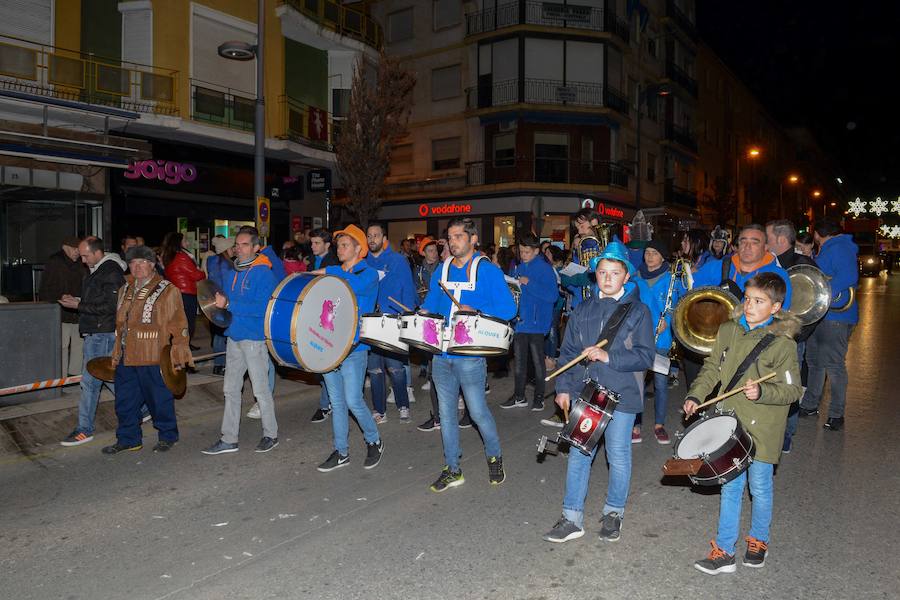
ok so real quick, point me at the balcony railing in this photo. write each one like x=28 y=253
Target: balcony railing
x=340 y=19
x=679 y=196
x=546 y=170
x=681 y=77
x=309 y=125
x=681 y=135
x=681 y=19
x=546 y=91
x=211 y=103
x=547 y=14
x=70 y=75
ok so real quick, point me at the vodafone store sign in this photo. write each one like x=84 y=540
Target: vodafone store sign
x=453 y=208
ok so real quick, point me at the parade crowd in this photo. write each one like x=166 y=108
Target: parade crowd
x=139 y=307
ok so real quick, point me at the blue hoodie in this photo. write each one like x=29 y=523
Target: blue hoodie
x=363 y=281
x=630 y=355
x=397 y=282
x=220 y=270
x=838 y=259
x=277 y=265
x=656 y=302
x=711 y=274
x=248 y=296
x=538 y=296
x=490 y=296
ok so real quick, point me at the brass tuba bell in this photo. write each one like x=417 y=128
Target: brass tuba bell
x=698 y=316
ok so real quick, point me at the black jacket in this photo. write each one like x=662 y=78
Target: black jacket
x=62 y=276
x=99 y=293
x=788 y=260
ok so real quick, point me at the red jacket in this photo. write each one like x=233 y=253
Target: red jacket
x=183 y=272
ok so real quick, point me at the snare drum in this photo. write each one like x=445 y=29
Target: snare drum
x=382 y=331
x=590 y=415
x=310 y=323
x=477 y=334
x=422 y=330
x=723 y=445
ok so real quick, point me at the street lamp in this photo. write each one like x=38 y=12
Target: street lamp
x=793 y=180
x=642 y=96
x=753 y=153
x=243 y=51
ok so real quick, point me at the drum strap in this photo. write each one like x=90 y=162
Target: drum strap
x=457 y=287
x=749 y=360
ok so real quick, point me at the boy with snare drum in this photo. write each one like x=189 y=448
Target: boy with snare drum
x=758 y=331
x=613 y=312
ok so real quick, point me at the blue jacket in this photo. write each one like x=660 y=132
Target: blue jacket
x=363 y=281
x=277 y=265
x=491 y=294
x=248 y=295
x=656 y=302
x=630 y=355
x=220 y=270
x=711 y=274
x=397 y=282
x=837 y=258
x=538 y=296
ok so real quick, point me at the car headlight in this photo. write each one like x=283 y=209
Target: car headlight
x=870 y=261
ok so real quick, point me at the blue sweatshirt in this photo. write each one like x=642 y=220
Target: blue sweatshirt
x=220 y=270
x=363 y=281
x=491 y=294
x=538 y=296
x=656 y=302
x=630 y=355
x=711 y=274
x=397 y=282
x=838 y=259
x=277 y=265
x=248 y=295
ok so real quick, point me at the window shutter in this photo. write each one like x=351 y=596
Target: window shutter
x=29 y=20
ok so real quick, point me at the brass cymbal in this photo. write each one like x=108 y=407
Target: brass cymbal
x=175 y=379
x=101 y=368
x=206 y=298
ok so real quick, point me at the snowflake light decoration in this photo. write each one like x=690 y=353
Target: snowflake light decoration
x=895 y=205
x=879 y=206
x=895 y=231
x=857 y=207
x=885 y=230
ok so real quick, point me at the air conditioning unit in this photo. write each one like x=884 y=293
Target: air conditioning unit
x=508 y=125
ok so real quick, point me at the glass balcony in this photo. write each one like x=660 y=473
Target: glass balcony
x=546 y=91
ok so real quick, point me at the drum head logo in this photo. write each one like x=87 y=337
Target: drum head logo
x=461 y=333
x=586 y=425
x=326 y=318
x=429 y=331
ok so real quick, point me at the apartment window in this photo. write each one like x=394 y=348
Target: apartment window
x=505 y=149
x=402 y=160
x=551 y=157
x=445 y=83
x=447 y=13
x=651 y=167
x=340 y=102
x=631 y=157
x=651 y=47
x=633 y=93
x=445 y=154
x=400 y=25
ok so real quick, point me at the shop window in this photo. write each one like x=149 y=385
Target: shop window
x=447 y=13
x=445 y=83
x=402 y=160
x=505 y=149
x=551 y=157
x=400 y=26
x=504 y=231
x=445 y=154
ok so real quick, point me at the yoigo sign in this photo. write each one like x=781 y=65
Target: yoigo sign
x=167 y=171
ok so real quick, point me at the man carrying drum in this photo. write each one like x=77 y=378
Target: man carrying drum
x=345 y=384
x=149 y=315
x=476 y=285
x=614 y=313
x=322 y=256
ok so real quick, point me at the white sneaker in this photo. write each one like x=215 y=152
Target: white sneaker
x=368 y=383
x=409 y=392
x=390 y=398
x=379 y=418
x=404 y=415
x=254 y=413
x=426 y=387
x=461 y=404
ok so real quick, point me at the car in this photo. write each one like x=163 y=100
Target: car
x=870 y=264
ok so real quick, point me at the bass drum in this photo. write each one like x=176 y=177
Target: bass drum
x=310 y=323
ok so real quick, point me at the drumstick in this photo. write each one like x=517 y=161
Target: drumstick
x=734 y=391
x=446 y=291
x=575 y=360
x=403 y=306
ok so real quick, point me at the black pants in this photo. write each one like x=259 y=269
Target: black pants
x=190 y=311
x=525 y=346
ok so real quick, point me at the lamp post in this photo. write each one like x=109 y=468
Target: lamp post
x=642 y=96
x=244 y=52
x=793 y=180
x=753 y=152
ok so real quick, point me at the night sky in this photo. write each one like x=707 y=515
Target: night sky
x=829 y=66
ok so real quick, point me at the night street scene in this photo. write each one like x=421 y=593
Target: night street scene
x=449 y=299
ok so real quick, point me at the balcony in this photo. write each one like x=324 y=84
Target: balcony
x=681 y=77
x=69 y=75
x=546 y=91
x=225 y=107
x=679 y=196
x=340 y=19
x=309 y=125
x=546 y=14
x=548 y=170
x=681 y=135
x=674 y=13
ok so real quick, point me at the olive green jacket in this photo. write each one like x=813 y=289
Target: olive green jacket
x=766 y=418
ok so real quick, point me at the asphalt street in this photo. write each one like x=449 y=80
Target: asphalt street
x=75 y=524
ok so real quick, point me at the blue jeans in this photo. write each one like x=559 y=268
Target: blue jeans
x=396 y=368
x=617 y=440
x=218 y=344
x=324 y=401
x=449 y=375
x=660 y=399
x=136 y=386
x=95 y=344
x=794 y=409
x=730 y=506
x=826 y=353
x=345 y=388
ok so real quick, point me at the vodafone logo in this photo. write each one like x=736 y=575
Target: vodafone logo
x=445 y=209
x=423 y=210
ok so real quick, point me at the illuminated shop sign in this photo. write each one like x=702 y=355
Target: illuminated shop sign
x=168 y=171
x=452 y=208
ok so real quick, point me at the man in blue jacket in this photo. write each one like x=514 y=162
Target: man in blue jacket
x=826 y=348
x=396 y=283
x=345 y=384
x=477 y=284
x=539 y=293
x=248 y=292
x=321 y=256
x=619 y=366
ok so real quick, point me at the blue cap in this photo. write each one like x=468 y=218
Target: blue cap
x=613 y=251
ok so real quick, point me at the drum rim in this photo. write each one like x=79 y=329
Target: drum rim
x=419 y=313
x=422 y=346
x=380 y=345
x=380 y=315
x=477 y=350
x=479 y=314
x=722 y=450
x=267 y=330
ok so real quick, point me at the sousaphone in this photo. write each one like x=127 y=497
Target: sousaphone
x=810 y=293
x=698 y=316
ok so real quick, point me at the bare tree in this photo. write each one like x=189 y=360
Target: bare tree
x=380 y=104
